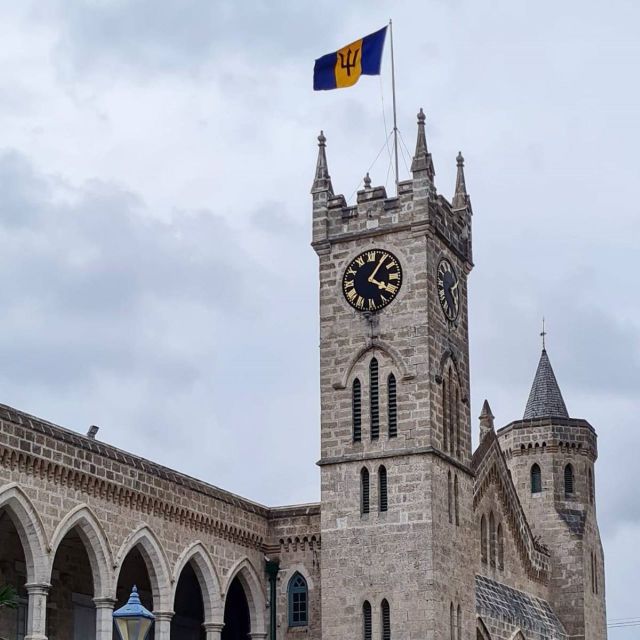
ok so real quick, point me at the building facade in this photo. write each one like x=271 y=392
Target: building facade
x=416 y=535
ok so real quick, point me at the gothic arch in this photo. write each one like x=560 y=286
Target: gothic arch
x=84 y=520
x=448 y=357
x=482 y=632
x=27 y=522
x=517 y=635
x=156 y=562
x=253 y=590
x=208 y=580
x=379 y=345
x=290 y=572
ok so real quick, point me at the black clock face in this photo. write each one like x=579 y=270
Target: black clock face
x=372 y=280
x=448 y=291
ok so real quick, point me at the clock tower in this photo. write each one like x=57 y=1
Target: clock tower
x=396 y=483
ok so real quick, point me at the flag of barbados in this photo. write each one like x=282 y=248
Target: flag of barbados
x=344 y=67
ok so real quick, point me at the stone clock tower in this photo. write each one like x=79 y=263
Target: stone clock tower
x=396 y=441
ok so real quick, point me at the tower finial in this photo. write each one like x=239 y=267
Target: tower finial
x=543 y=333
x=422 y=162
x=322 y=180
x=486 y=420
x=460 y=197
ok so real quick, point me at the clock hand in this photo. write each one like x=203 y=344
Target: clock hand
x=372 y=276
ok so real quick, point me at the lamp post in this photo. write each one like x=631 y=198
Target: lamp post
x=133 y=621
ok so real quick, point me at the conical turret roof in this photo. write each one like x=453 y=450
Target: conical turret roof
x=545 y=398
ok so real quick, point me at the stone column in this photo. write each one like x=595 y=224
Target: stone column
x=258 y=635
x=104 y=618
x=162 y=625
x=37 y=610
x=213 y=630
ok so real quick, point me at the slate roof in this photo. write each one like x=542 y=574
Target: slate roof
x=497 y=601
x=545 y=399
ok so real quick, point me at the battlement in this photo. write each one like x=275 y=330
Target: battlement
x=416 y=205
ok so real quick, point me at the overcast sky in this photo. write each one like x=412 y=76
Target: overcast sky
x=155 y=166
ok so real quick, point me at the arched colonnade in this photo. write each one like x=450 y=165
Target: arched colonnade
x=226 y=609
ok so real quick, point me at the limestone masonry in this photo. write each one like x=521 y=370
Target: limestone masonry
x=416 y=536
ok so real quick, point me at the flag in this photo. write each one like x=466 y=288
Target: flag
x=344 y=67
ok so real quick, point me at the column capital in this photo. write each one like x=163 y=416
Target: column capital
x=104 y=602
x=213 y=626
x=163 y=616
x=37 y=588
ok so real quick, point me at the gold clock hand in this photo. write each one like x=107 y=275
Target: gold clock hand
x=372 y=276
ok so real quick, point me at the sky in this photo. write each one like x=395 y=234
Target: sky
x=155 y=166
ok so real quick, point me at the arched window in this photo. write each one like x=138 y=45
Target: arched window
x=483 y=539
x=536 y=479
x=568 y=480
x=392 y=406
x=492 y=540
x=386 y=620
x=450 y=411
x=356 y=408
x=500 y=548
x=452 y=622
x=450 y=496
x=590 y=482
x=364 y=491
x=298 y=601
x=374 y=399
x=445 y=417
x=382 y=489
x=457 y=422
x=366 y=620
x=459 y=622
x=455 y=500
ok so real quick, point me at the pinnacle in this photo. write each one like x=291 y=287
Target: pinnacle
x=545 y=398
x=322 y=180
x=486 y=419
x=422 y=162
x=460 y=198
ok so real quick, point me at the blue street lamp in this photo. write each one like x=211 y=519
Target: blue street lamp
x=133 y=621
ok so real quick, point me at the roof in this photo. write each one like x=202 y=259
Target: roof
x=498 y=601
x=545 y=398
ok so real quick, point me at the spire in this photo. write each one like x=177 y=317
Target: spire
x=486 y=420
x=460 y=198
x=422 y=161
x=322 y=180
x=545 y=398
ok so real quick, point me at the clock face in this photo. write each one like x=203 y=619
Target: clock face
x=448 y=291
x=372 y=280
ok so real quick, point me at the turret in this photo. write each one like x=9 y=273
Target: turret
x=551 y=457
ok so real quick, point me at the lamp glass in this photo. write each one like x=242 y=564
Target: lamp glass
x=134 y=628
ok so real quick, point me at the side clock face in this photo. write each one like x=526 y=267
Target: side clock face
x=372 y=280
x=448 y=291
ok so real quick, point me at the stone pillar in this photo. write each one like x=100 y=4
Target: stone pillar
x=163 y=625
x=37 y=610
x=213 y=630
x=258 y=635
x=104 y=618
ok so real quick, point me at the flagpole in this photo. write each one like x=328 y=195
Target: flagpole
x=393 y=89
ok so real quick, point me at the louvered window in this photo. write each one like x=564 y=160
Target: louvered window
x=386 y=620
x=450 y=496
x=452 y=444
x=445 y=417
x=374 y=398
x=568 y=480
x=356 y=406
x=536 y=479
x=298 y=601
x=457 y=409
x=492 y=540
x=500 y=548
x=483 y=539
x=382 y=489
x=459 y=622
x=393 y=407
x=364 y=491
x=452 y=623
x=455 y=500
x=366 y=620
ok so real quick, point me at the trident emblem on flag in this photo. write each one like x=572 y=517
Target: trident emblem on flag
x=349 y=63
